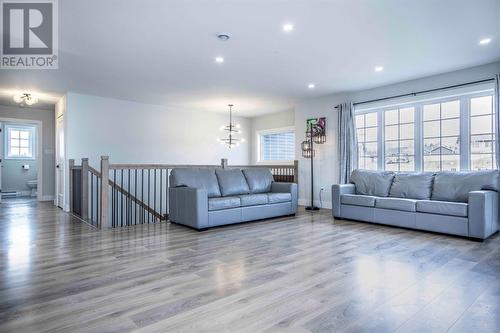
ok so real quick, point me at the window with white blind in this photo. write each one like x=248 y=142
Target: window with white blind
x=277 y=145
x=20 y=141
x=452 y=131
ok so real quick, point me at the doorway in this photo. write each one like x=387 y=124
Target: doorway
x=21 y=167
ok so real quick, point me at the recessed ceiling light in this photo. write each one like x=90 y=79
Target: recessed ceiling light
x=485 y=41
x=311 y=85
x=379 y=69
x=287 y=27
x=219 y=60
x=223 y=36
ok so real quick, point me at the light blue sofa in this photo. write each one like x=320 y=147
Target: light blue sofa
x=457 y=203
x=202 y=198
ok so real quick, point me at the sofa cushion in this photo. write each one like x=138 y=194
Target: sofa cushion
x=223 y=203
x=358 y=200
x=412 y=185
x=455 y=186
x=232 y=182
x=442 y=207
x=259 y=179
x=408 y=205
x=279 y=197
x=201 y=178
x=253 y=199
x=375 y=183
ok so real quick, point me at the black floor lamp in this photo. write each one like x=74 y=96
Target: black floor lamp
x=315 y=134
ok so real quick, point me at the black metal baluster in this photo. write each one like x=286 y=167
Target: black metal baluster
x=161 y=191
x=149 y=191
x=97 y=201
x=129 y=201
x=92 y=198
x=121 y=198
x=135 y=196
x=154 y=198
x=114 y=195
x=142 y=195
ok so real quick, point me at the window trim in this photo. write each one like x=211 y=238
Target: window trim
x=32 y=142
x=463 y=97
x=277 y=130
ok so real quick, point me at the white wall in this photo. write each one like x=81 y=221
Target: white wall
x=266 y=122
x=46 y=117
x=326 y=163
x=131 y=132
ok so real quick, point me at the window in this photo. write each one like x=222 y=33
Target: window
x=441 y=124
x=453 y=132
x=399 y=131
x=482 y=133
x=20 y=142
x=366 y=126
x=277 y=145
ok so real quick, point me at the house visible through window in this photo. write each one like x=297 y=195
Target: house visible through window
x=455 y=131
x=277 y=145
x=20 y=141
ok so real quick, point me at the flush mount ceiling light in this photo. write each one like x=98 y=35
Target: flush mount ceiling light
x=219 y=60
x=287 y=27
x=223 y=36
x=379 y=69
x=231 y=141
x=26 y=99
x=485 y=41
x=311 y=86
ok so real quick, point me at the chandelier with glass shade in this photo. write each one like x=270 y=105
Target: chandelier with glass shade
x=233 y=131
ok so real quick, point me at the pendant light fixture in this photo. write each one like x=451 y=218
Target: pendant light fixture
x=232 y=130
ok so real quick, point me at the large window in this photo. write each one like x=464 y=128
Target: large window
x=399 y=131
x=277 y=145
x=20 y=142
x=441 y=124
x=482 y=133
x=366 y=125
x=453 y=132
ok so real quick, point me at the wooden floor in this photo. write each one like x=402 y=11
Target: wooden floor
x=307 y=273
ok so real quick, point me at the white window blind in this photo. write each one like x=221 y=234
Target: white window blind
x=279 y=146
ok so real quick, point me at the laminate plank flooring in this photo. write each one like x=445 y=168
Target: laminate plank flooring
x=307 y=273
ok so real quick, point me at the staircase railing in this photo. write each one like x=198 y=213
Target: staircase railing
x=136 y=193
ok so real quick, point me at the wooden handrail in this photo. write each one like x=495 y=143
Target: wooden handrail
x=159 y=166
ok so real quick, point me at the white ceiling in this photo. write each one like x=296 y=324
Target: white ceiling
x=162 y=52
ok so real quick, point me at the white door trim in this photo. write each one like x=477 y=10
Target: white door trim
x=39 y=155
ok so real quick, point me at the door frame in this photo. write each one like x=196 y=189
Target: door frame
x=39 y=148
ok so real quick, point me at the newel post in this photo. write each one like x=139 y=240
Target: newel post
x=71 y=165
x=85 y=188
x=104 y=218
x=296 y=171
x=223 y=163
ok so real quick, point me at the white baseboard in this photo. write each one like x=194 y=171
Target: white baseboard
x=325 y=204
x=47 y=198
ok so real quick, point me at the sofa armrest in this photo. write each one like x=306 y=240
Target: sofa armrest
x=189 y=206
x=291 y=188
x=337 y=191
x=483 y=213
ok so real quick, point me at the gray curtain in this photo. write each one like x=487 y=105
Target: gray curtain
x=348 y=142
x=497 y=118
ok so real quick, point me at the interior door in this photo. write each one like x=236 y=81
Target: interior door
x=60 y=167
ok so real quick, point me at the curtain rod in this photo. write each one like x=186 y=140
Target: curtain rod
x=422 y=92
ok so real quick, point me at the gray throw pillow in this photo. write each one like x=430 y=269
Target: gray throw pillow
x=455 y=186
x=369 y=182
x=232 y=182
x=259 y=179
x=412 y=186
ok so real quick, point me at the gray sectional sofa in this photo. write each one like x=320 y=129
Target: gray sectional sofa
x=202 y=198
x=458 y=203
